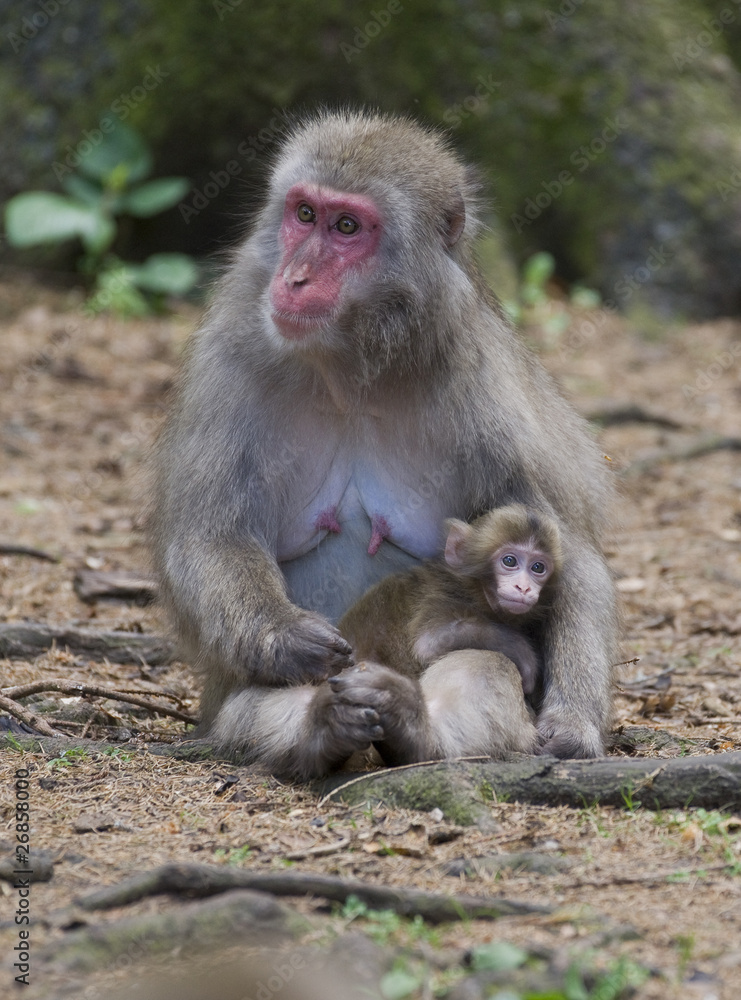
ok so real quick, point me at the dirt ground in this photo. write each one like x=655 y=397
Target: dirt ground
x=81 y=399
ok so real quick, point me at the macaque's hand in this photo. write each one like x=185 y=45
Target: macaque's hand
x=306 y=650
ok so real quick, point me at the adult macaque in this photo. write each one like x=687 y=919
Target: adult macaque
x=354 y=384
x=485 y=594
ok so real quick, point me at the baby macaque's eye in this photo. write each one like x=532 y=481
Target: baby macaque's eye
x=538 y=567
x=509 y=561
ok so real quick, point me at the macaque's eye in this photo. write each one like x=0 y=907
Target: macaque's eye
x=305 y=213
x=509 y=561
x=538 y=568
x=347 y=226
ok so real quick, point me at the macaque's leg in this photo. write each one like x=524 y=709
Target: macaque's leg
x=475 y=706
x=299 y=733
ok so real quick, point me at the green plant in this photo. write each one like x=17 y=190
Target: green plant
x=110 y=182
x=401 y=981
x=537 y=271
x=123 y=755
x=67 y=758
x=233 y=856
x=499 y=956
x=486 y=791
x=382 y=925
x=626 y=794
x=685 y=944
x=533 y=304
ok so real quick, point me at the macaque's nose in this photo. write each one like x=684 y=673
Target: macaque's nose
x=297 y=275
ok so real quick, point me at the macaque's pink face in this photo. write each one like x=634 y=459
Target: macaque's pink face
x=519 y=574
x=327 y=238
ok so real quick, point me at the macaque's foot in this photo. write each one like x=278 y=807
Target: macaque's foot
x=340 y=725
x=398 y=702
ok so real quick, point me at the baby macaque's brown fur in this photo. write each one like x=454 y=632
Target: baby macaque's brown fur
x=411 y=619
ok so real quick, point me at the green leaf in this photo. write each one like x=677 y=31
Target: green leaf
x=116 y=292
x=498 y=955
x=82 y=189
x=121 y=155
x=585 y=298
x=154 y=196
x=43 y=217
x=536 y=272
x=398 y=983
x=168 y=273
x=100 y=238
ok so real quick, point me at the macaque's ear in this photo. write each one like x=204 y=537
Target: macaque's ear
x=458 y=532
x=455 y=221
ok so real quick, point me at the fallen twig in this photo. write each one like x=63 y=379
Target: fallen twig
x=630 y=413
x=25 y=715
x=9 y=549
x=320 y=851
x=96 y=691
x=25 y=640
x=93 y=585
x=208 y=880
x=648 y=878
x=703 y=445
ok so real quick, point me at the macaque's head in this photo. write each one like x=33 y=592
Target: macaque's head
x=514 y=551
x=363 y=228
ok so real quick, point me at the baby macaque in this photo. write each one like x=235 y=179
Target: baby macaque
x=487 y=593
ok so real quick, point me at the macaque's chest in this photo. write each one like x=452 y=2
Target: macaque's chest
x=393 y=504
x=356 y=513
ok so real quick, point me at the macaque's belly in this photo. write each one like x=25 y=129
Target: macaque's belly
x=353 y=529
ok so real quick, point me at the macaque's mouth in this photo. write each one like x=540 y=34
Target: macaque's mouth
x=293 y=326
x=515 y=607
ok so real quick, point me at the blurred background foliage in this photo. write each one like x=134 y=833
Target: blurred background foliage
x=608 y=131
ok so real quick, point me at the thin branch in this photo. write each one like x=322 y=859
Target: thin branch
x=25 y=715
x=630 y=413
x=96 y=691
x=93 y=585
x=703 y=445
x=208 y=880
x=9 y=549
x=650 y=878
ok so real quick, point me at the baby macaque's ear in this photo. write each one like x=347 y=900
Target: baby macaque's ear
x=458 y=533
